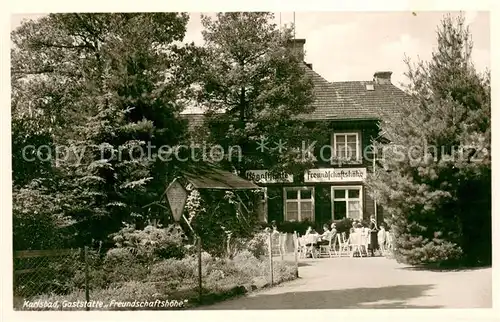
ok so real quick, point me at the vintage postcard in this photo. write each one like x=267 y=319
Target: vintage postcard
x=251 y=160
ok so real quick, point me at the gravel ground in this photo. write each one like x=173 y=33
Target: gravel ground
x=374 y=282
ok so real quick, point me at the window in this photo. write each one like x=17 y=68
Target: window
x=347 y=202
x=299 y=203
x=346 y=146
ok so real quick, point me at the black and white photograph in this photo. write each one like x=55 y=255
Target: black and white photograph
x=250 y=160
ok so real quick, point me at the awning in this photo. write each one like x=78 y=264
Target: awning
x=217 y=179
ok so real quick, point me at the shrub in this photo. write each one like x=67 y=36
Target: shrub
x=343 y=225
x=299 y=226
x=419 y=251
x=152 y=243
x=257 y=245
x=176 y=279
x=246 y=262
x=174 y=269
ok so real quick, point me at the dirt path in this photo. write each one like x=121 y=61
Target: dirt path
x=370 y=283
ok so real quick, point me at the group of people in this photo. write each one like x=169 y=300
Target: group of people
x=377 y=234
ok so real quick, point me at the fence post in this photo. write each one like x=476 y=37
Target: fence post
x=87 y=296
x=282 y=241
x=271 y=257
x=199 y=270
x=295 y=245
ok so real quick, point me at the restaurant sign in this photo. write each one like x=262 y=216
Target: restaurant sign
x=335 y=175
x=264 y=176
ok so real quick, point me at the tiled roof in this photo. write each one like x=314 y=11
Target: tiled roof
x=217 y=179
x=349 y=100
x=332 y=104
x=383 y=96
x=195 y=120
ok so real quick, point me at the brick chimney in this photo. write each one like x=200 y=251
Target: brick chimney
x=382 y=77
x=298 y=44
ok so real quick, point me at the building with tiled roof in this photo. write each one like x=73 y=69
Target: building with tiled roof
x=374 y=95
x=334 y=189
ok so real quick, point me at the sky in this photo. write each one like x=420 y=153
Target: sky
x=345 y=46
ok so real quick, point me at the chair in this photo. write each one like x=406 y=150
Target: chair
x=277 y=244
x=357 y=243
x=326 y=249
x=309 y=243
x=301 y=247
x=343 y=244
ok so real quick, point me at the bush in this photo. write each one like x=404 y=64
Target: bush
x=121 y=280
x=343 y=225
x=216 y=216
x=299 y=226
x=257 y=246
x=246 y=262
x=173 y=269
x=419 y=251
x=38 y=220
x=152 y=243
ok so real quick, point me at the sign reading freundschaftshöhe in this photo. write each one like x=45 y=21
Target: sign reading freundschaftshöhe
x=335 y=175
x=264 y=176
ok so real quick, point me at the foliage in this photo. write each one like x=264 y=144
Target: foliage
x=417 y=250
x=221 y=218
x=99 y=85
x=258 y=245
x=177 y=279
x=51 y=274
x=253 y=86
x=438 y=178
x=149 y=244
x=299 y=226
x=344 y=225
x=39 y=220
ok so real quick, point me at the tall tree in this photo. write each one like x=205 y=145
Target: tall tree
x=253 y=86
x=112 y=85
x=436 y=193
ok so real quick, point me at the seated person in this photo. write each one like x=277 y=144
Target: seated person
x=310 y=239
x=333 y=228
x=311 y=236
x=358 y=228
x=353 y=227
x=325 y=237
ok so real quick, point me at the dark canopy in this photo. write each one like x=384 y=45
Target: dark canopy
x=214 y=178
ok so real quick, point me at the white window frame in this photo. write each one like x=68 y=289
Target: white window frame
x=346 y=198
x=358 y=145
x=298 y=189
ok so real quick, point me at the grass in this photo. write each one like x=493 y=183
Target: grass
x=177 y=280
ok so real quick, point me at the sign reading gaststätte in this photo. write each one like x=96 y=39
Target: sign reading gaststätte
x=264 y=176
